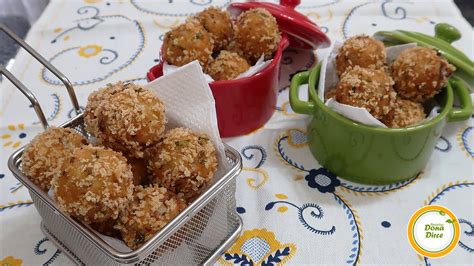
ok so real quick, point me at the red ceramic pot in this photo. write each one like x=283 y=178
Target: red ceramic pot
x=246 y=104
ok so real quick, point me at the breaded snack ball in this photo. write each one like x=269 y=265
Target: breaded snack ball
x=257 y=34
x=360 y=50
x=151 y=209
x=45 y=156
x=139 y=170
x=95 y=186
x=406 y=113
x=184 y=162
x=420 y=73
x=125 y=117
x=227 y=66
x=367 y=88
x=186 y=43
x=219 y=25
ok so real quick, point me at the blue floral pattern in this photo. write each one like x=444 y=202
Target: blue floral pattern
x=323 y=180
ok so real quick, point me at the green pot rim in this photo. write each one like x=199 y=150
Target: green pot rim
x=313 y=79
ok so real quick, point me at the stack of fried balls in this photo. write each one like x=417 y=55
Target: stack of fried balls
x=133 y=177
x=223 y=48
x=393 y=94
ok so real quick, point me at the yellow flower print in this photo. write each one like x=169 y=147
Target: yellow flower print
x=256 y=247
x=297 y=137
x=11 y=261
x=253 y=182
x=10 y=140
x=90 y=50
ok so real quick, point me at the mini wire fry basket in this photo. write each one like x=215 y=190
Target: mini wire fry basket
x=198 y=235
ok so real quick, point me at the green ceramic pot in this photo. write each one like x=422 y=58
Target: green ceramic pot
x=371 y=155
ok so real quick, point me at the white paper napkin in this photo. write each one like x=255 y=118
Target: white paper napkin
x=259 y=66
x=189 y=102
x=329 y=80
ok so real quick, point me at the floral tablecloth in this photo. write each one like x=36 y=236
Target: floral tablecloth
x=291 y=215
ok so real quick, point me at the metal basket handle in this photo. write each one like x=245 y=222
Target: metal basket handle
x=45 y=63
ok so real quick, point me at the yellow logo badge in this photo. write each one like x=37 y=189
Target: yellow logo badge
x=433 y=231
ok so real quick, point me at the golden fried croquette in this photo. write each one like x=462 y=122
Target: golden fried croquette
x=420 y=73
x=149 y=211
x=186 y=43
x=367 y=88
x=257 y=34
x=360 y=50
x=219 y=25
x=125 y=117
x=227 y=66
x=95 y=186
x=406 y=113
x=184 y=162
x=45 y=156
x=139 y=170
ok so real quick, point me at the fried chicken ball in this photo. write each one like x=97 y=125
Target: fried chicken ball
x=420 y=73
x=45 y=156
x=360 y=50
x=125 y=117
x=184 y=162
x=139 y=170
x=227 y=66
x=257 y=34
x=406 y=113
x=95 y=186
x=186 y=43
x=149 y=211
x=219 y=25
x=367 y=88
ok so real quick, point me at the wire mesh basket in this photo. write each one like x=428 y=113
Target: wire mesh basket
x=198 y=235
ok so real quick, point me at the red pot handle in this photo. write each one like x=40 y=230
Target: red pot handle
x=290 y=3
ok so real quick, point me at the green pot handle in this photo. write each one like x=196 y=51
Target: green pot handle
x=461 y=90
x=299 y=106
x=313 y=83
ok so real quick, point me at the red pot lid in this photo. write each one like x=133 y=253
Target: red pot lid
x=303 y=33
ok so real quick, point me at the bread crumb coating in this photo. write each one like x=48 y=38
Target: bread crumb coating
x=125 y=117
x=45 y=156
x=406 y=113
x=184 y=162
x=150 y=210
x=219 y=25
x=227 y=66
x=362 y=51
x=95 y=186
x=367 y=88
x=186 y=43
x=257 y=34
x=420 y=73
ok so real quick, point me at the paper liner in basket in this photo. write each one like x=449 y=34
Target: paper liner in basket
x=329 y=79
x=188 y=103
